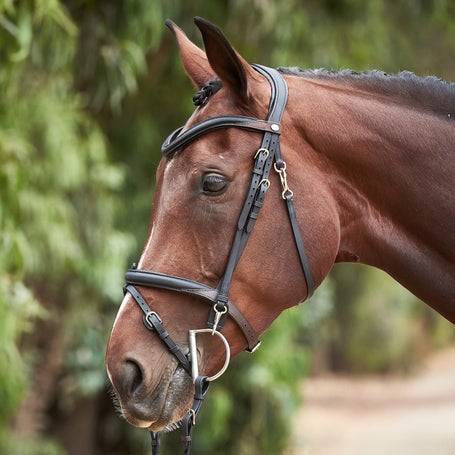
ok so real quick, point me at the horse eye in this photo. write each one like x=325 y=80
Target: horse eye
x=213 y=184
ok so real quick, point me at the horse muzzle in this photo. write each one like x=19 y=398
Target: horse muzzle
x=158 y=406
x=146 y=403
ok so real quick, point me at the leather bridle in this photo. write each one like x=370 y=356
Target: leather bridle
x=267 y=157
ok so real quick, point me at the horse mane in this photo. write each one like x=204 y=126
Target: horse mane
x=429 y=92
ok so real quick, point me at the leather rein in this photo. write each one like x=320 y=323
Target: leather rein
x=268 y=156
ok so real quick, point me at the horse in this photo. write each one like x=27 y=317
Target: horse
x=357 y=167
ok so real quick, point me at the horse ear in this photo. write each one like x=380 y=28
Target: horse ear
x=194 y=59
x=228 y=64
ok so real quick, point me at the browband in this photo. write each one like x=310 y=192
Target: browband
x=178 y=139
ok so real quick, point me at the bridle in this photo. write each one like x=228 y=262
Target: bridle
x=266 y=157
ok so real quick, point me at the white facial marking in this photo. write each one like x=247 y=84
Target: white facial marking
x=147 y=247
x=121 y=310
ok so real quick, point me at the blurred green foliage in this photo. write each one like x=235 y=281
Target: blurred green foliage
x=88 y=90
x=60 y=250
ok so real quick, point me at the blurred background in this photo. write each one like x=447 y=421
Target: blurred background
x=88 y=91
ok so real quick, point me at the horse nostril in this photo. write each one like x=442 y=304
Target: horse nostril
x=133 y=376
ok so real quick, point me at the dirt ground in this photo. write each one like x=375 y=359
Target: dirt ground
x=377 y=416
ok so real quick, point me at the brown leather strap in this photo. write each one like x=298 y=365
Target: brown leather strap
x=148 y=278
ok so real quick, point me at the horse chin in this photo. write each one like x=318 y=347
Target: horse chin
x=161 y=410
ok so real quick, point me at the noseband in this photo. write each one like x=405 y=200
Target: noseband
x=268 y=156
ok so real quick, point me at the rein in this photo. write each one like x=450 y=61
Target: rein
x=268 y=156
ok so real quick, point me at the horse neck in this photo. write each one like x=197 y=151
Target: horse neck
x=389 y=169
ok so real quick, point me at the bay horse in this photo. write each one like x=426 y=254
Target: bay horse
x=358 y=167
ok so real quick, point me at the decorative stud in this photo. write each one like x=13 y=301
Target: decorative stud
x=275 y=127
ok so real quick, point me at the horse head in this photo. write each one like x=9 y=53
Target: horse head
x=203 y=184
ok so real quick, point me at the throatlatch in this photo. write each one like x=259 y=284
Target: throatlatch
x=267 y=157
